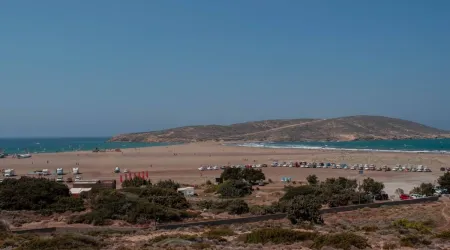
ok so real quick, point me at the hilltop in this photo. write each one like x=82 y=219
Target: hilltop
x=348 y=128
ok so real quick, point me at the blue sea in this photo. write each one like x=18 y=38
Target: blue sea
x=413 y=146
x=52 y=145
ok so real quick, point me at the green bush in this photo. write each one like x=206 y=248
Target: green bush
x=304 y=209
x=443 y=235
x=151 y=204
x=238 y=207
x=30 y=193
x=277 y=236
x=424 y=189
x=413 y=240
x=312 y=179
x=292 y=192
x=168 y=184
x=444 y=181
x=419 y=226
x=64 y=204
x=164 y=197
x=234 y=189
x=251 y=175
x=211 y=189
x=135 y=182
x=340 y=240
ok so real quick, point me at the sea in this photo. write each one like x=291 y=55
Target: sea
x=52 y=145
x=441 y=146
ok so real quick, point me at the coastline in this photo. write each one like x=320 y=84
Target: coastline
x=181 y=162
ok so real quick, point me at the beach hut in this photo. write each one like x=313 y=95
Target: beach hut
x=75 y=171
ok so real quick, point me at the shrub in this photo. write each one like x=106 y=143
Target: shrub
x=277 y=236
x=234 y=188
x=168 y=184
x=30 y=193
x=292 y=192
x=413 y=241
x=163 y=196
x=390 y=246
x=238 y=207
x=443 y=235
x=211 y=189
x=135 y=182
x=370 y=228
x=73 y=242
x=208 y=182
x=270 y=181
x=341 y=240
x=419 y=226
x=304 y=208
x=160 y=238
x=312 y=179
x=64 y=204
x=219 y=231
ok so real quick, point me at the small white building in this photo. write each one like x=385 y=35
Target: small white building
x=75 y=171
x=77 y=191
x=9 y=172
x=186 y=191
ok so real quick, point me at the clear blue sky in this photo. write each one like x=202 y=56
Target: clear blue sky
x=88 y=68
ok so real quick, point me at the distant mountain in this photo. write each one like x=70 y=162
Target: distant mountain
x=336 y=129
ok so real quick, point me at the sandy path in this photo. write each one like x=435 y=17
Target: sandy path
x=278 y=128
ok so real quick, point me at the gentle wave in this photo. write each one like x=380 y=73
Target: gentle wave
x=303 y=146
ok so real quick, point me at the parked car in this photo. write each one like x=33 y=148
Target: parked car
x=405 y=197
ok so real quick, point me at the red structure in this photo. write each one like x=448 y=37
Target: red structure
x=147 y=174
x=121 y=180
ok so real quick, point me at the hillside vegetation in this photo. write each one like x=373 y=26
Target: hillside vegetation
x=336 y=129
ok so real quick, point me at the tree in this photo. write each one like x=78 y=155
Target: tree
x=249 y=174
x=312 y=179
x=231 y=174
x=424 y=189
x=135 y=182
x=238 y=207
x=304 y=208
x=444 y=181
x=234 y=188
x=252 y=175
x=370 y=186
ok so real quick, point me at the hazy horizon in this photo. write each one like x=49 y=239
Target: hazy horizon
x=107 y=67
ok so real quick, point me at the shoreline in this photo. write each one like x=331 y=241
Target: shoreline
x=181 y=162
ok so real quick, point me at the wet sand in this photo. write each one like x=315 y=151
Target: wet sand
x=181 y=163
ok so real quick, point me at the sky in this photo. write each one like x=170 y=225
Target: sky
x=104 y=67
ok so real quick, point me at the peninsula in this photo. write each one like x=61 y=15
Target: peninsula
x=348 y=128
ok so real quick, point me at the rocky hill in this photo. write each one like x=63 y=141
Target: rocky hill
x=336 y=129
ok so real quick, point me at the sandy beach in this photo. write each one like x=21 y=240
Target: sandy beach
x=181 y=163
